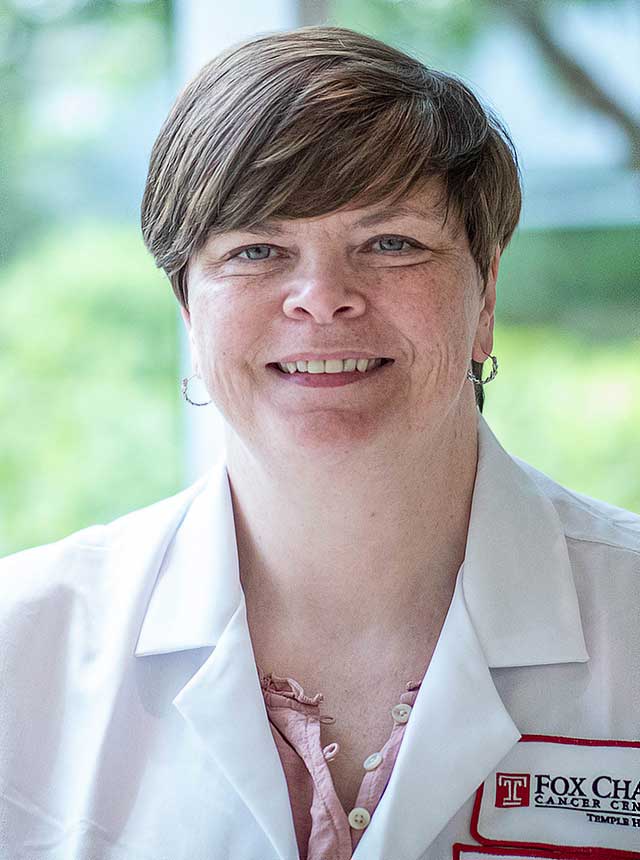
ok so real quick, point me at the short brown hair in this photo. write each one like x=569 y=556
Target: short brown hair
x=299 y=123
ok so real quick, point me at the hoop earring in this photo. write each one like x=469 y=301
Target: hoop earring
x=492 y=375
x=185 y=383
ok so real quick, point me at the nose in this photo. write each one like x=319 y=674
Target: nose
x=322 y=293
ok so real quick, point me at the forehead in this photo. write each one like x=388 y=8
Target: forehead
x=426 y=199
x=425 y=202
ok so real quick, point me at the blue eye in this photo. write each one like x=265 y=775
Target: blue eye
x=253 y=248
x=396 y=239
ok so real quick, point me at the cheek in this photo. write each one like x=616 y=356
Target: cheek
x=214 y=324
x=436 y=325
x=437 y=322
x=227 y=333
x=205 y=340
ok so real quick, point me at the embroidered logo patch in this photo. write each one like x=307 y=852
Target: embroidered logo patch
x=476 y=852
x=555 y=793
x=512 y=789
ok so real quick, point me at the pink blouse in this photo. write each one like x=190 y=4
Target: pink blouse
x=324 y=830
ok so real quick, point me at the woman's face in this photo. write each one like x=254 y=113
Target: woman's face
x=371 y=282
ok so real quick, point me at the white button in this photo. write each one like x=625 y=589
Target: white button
x=374 y=761
x=330 y=752
x=359 y=818
x=400 y=713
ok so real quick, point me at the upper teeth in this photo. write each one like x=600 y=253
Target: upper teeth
x=334 y=365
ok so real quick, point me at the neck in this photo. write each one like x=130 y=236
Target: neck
x=378 y=541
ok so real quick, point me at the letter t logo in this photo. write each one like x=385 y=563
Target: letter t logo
x=512 y=789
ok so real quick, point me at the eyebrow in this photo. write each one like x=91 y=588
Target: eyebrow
x=394 y=212
x=272 y=228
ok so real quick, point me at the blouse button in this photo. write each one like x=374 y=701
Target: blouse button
x=372 y=762
x=359 y=818
x=400 y=713
x=330 y=753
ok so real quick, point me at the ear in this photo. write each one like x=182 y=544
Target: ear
x=483 y=342
x=186 y=317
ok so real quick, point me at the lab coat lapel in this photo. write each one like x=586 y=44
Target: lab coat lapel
x=198 y=601
x=224 y=704
x=518 y=584
x=457 y=733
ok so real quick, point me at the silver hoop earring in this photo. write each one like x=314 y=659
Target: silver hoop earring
x=185 y=383
x=492 y=375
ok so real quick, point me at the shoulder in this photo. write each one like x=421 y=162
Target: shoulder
x=40 y=571
x=591 y=525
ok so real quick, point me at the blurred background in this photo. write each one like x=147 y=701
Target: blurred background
x=92 y=420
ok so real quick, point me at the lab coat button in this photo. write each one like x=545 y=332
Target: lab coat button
x=400 y=713
x=372 y=762
x=359 y=818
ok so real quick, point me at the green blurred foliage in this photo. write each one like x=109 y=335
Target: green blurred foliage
x=442 y=28
x=116 y=46
x=581 y=279
x=90 y=403
x=570 y=407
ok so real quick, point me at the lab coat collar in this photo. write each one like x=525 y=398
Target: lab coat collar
x=518 y=583
x=197 y=588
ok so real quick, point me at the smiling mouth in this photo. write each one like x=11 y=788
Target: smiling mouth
x=275 y=366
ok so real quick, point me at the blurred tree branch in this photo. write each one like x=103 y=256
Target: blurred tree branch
x=530 y=15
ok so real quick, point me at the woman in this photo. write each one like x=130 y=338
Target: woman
x=367 y=631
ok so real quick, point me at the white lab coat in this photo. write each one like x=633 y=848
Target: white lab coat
x=133 y=725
